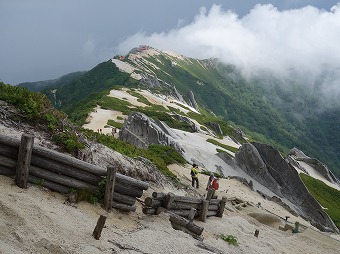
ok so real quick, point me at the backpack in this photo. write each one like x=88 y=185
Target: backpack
x=192 y=173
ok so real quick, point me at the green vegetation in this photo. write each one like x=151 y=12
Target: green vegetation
x=36 y=109
x=230 y=148
x=160 y=155
x=327 y=196
x=232 y=240
x=114 y=124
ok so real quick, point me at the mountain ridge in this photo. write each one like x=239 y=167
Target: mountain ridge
x=223 y=90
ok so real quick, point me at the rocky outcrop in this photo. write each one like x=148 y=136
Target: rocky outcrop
x=321 y=168
x=192 y=102
x=215 y=127
x=194 y=127
x=249 y=159
x=267 y=166
x=141 y=131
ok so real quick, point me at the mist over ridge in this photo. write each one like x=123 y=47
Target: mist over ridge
x=298 y=46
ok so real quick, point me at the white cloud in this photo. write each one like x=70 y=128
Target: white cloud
x=303 y=41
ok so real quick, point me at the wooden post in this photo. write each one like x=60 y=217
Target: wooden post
x=210 y=194
x=169 y=200
x=192 y=214
x=24 y=160
x=204 y=210
x=111 y=177
x=99 y=227
x=222 y=206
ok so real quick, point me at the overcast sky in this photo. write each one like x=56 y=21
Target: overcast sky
x=44 y=39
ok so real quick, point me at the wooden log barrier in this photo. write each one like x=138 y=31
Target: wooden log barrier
x=108 y=196
x=68 y=161
x=24 y=160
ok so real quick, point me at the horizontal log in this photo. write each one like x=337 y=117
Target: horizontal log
x=123 y=199
x=132 y=182
x=124 y=207
x=152 y=202
x=49 y=184
x=61 y=168
x=215 y=201
x=183 y=213
x=8 y=162
x=9 y=151
x=184 y=206
x=213 y=207
x=188 y=200
x=194 y=228
x=178 y=219
x=61 y=179
x=212 y=213
x=6 y=171
x=128 y=190
x=149 y=210
x=159 y=195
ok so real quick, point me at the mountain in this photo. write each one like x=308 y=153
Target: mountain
x=264 y=107
x=260 y=167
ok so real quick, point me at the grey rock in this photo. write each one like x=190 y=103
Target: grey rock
x=141 y=131
x=267 y=166
x=215 y=127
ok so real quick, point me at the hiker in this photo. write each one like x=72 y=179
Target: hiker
x=211 y=178
x=194 y=176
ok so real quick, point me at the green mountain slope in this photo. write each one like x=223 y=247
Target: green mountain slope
x=263 y=106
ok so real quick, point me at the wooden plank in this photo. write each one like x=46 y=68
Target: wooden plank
x=99 y=227
x=108 y=196
x=24 y=160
